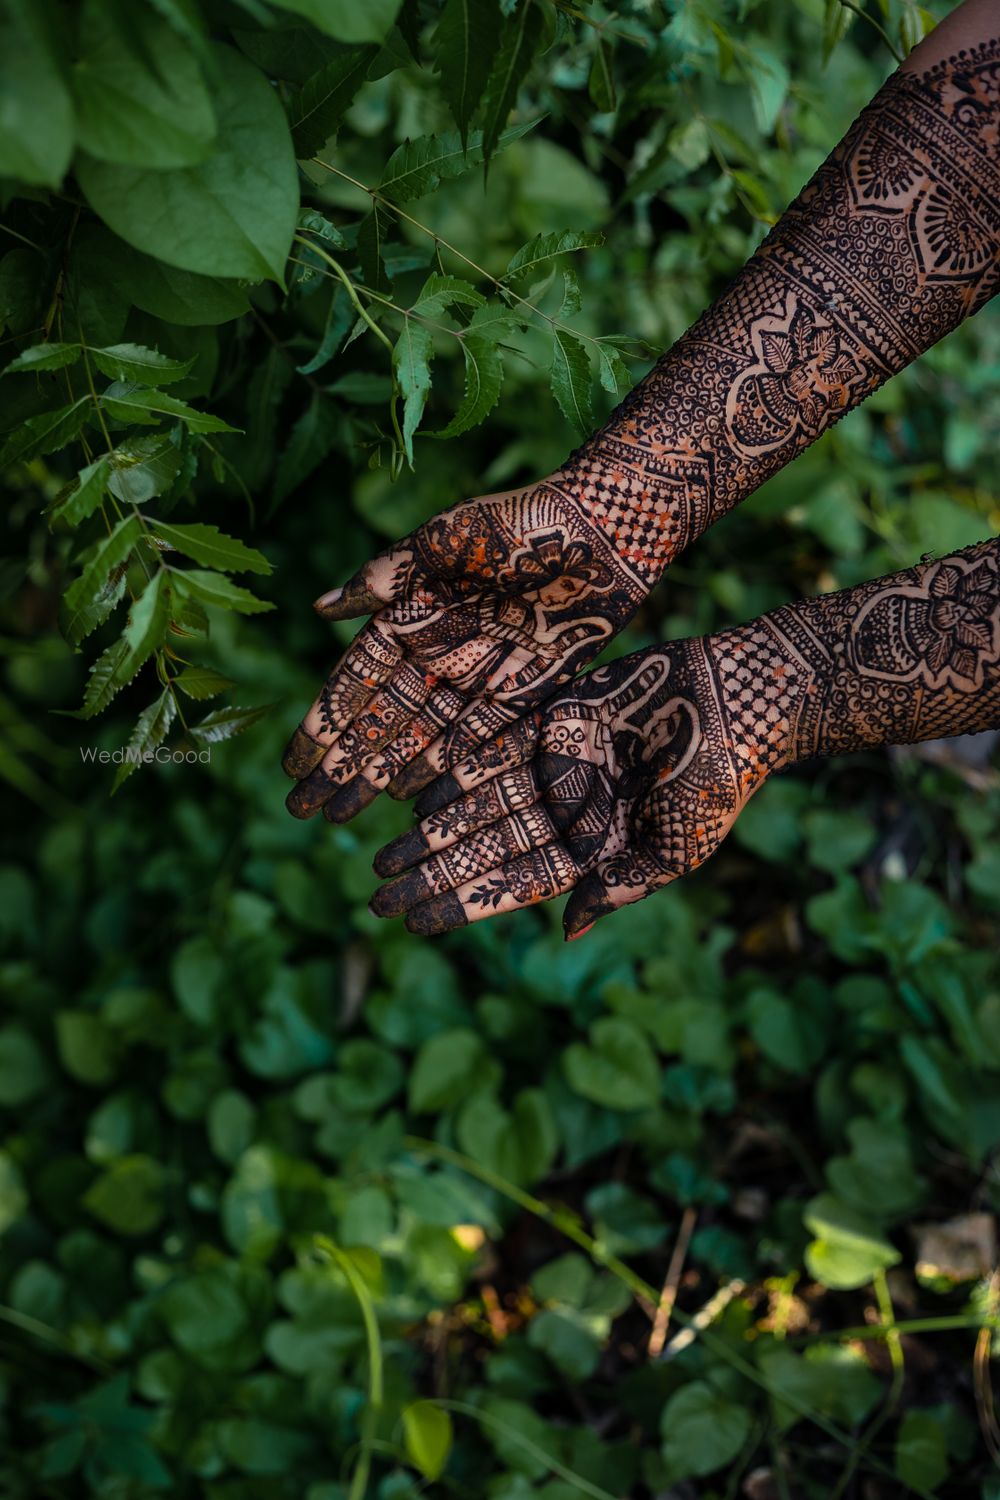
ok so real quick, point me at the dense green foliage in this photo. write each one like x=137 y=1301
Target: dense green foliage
x=293 y=1204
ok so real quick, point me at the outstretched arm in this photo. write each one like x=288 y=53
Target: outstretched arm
x=635 y=774
x=488 y=608
x=893 y=242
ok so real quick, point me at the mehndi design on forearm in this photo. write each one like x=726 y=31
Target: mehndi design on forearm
x=487 y=609
x=635 y=774
x=893 y=242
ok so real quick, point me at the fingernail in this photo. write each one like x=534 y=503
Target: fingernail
x=326 y=600
x=571 y=937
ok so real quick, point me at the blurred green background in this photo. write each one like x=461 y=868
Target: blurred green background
x=294 y=1204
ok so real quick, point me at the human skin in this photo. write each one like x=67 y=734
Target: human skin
x=634 y=774
x=490 y=607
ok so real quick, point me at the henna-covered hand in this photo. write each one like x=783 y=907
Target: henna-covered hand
x=479 y=614
x=634 y=774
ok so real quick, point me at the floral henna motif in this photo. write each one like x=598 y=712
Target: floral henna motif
x=894 y=241
x=638 y=771
x=492 y=606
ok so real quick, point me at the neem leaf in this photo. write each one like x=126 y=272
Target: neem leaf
x=232 y=214
x=135 y=362
x=217 y=589
x=88 y=491
x=46 y=433
x=483 y=379
x=466 y=39
x=519 y=41
x=90 y=587
x=129 y=403
x=317 y=108
x=150 y=731
x=347 y=20
x=159 y=116
x=224 y=723
x=411 y=361
x=418 y=166
x=570 y=379
x=546 y=247
x=209 y=545
x=202 y=682
x=44 y=357
x=427 y=1436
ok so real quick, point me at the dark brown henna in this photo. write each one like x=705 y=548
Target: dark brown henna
x=641 y=768
x=893 y=242
x=493 y=605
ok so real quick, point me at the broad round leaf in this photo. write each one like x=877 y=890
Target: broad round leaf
x=231 y=215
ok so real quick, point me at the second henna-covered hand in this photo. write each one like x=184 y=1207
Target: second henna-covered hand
x=488 y=608
x=634 y=774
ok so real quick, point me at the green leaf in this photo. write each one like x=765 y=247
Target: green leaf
x=571 y=381
x=93 y=583
x=46 y=433
x=439 y=293
x=427 y=1437
x=36 y=126
x=847 y=1251
x=483 y=379
x=702 y=1430
x=133 y=362
x=86 y=494
x=128 y=403
x=411 y=362
x=612 y=371
x=319 y=429
x=921 y=1451
x=465 y=43
x=151 y=729
x=44 y=357
x=159 y=116
x=142 y=467
x=208 y=545
x=419 y=166
x=128 y=1197
x=519 y=41
x=224 y=723
x=601 y=79
x=837 y=21
x=217 y=589
x=317 y=108
x=346 y=20
x=176 y=296
x=372 y=233
x=546 y=247
x=24 y=1070
x=202 y=682
x=446 y=1068
x=618 y=1068
x=313 y=222
x=233 y=214
x=143 y=634
x=88 y=1049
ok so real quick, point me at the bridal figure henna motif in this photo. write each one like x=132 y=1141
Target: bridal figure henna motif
x=488 y=608
x=635 y=774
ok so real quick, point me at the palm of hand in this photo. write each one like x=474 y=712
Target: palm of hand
x=487 y=609
x=632 y=776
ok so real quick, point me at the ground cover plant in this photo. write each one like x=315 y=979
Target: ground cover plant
x=292 y=1203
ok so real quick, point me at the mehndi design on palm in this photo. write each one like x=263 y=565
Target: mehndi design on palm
x=634 y=774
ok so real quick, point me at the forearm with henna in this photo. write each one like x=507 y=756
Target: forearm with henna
x=635 y=773
x=893 y=242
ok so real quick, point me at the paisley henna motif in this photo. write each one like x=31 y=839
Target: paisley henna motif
x=639 y=770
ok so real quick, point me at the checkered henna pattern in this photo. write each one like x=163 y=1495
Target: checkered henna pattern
x=491 y=607
x=635 y=774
